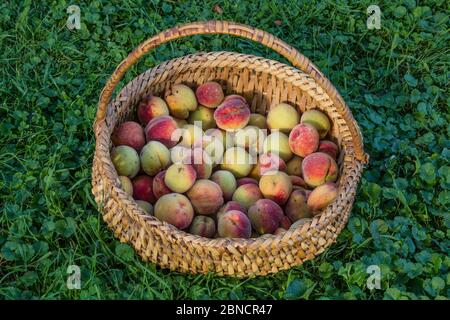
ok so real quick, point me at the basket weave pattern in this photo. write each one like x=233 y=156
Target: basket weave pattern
x=263 y=83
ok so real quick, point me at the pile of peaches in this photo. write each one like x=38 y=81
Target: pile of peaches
x=204 y=163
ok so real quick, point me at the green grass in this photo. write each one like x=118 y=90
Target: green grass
x=395 y=80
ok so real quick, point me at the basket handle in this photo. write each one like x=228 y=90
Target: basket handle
x=225 y=27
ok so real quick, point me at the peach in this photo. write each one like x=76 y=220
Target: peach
x=237 y=161
x=257 y=120
x=206 y=196
x=226 y=182
x=176 y=209
x=232 y=114
x=151 y=107
x=191 y=136
x=203 y=226
x=276 y=187
x=329 y=148
x=268 y=163
x=145 y=206
x=126 y=185
x=143 y=188
x=225 y=137
x=318 y=119
x=285 y=223
x=298 y=181
x=181 y=99
x=202 y=117
x=130 y=134
x=303 y=139
x=278 y=143
x=234 y=224
x=154 y=157
x=230 y=205
x=319 y=168
x=162 y=129
x=209 y=94
x=279 y=231
x=202 y=163
x=212 y=143
x=181 y=154
x=265 y=216
x=126 y=161
x=250 y=138
x=159 y=186
x=322 y=196
x=294 y=166
x=180 y=122
x=180 y=177
x=235 y=96
x=247 y=194
x=246 y=180
x=282 y=117
x=296 y=207
x=299 y=223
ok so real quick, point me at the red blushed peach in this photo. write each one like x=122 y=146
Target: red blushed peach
x=210 y=94
x=242 y=181
x=319 y=168
x=232 y=114
x=159 y=186
x=130 y=134
x=303 y=139
x=162 y=129
x=151 y=107
x=206 y=196
x=296 y=207
x=180 y=177
x=265 y=216
x=226 y=182
x=176 y=209
x=317 y=119
x=230 y=205
x=285 y=223
x=322 y=196
x=143 y=189
x=203 y=226
x=276 y=187
x=234 y=224
x=268 y=163
x=235 y=96
x=329 y=148
x=247 y=194
x=297 y=181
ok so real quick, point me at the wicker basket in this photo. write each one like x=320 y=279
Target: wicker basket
x=263 y=83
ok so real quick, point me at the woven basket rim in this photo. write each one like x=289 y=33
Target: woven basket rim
x=320 y=221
